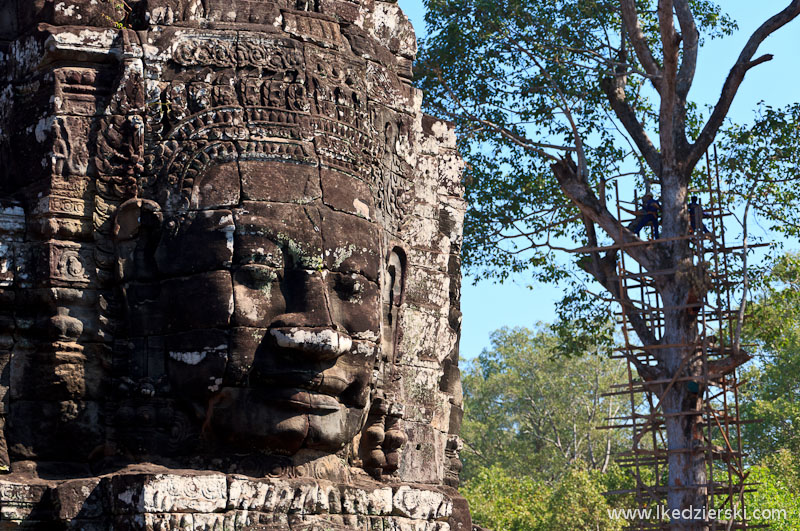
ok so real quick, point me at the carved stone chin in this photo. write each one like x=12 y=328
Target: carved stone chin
x=229 y=241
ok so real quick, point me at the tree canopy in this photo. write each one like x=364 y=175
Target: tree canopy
x=516 y=478
x=557 y=103
x=529 y=410
x=530 y=84
x=533 y=459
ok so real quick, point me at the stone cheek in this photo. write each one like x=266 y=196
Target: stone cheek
x=233 y=245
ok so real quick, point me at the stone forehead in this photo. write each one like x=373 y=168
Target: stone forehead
x=274 y=109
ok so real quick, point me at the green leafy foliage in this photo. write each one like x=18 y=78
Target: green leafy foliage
x=524 y=82
x=533 y=458
x=578 y=503
x=761 y=161
x=773 y=392
x=489 y=65
x=502 y=71
x=528 y=409
x=504 y=502
x=776 y=501
x=772 y=395
x=516 y=479
x=557 y=104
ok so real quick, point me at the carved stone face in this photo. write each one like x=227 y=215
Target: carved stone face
x=236 y=239
x=308 y=275
x=251 y=276
x=267 y=313
x=229 y=247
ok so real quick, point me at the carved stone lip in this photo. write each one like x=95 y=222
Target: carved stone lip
x=320 y=342
x=324 y=383
x=306 y=400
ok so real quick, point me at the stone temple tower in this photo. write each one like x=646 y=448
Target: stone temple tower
x=229 y=269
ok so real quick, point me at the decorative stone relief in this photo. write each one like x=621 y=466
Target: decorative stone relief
x=229 y=243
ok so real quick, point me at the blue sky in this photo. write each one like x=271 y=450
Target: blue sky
x=489 y=306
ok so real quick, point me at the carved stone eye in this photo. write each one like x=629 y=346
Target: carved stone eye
x=349 y=286
x=258 y=276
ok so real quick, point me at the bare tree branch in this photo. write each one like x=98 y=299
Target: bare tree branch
x=691 y=39
x=630 y=20
x=615 y=92
x=722 y=366
x=669 y=102
x=735 y=77
x=520 y=140
x=582 y=195
x=603 y=270
x=737 y=336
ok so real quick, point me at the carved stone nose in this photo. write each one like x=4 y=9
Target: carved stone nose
x=307 y=303
x=308 y=326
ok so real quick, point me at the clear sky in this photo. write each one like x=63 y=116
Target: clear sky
x=489 y=306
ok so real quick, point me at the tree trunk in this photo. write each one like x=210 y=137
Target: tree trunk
x=686 y=499
x=687 y=478
x=682 y=406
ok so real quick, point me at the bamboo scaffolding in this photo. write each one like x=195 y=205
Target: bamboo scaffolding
x=719 y=420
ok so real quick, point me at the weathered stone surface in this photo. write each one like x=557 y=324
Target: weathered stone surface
x=80 y=499
x=149 y=497
x=421 y=504
x=169 y=493
x=229 y=243
x=21 y=501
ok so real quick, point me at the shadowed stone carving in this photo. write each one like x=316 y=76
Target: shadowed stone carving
x=229 y=269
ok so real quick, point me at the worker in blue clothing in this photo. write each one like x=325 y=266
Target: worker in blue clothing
x=647 y=216
x=696 y=214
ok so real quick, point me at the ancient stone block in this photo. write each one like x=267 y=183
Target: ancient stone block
x=23 y=501
x=81 y=499
x=244 y=344
x=220 y=187
x=419 y=351
x=424 y=453
x=428 y=288
x=295 y=183
x=421 y=504
x=169 y=493
x=337 y=190
x=229 y=273
x=204 y=242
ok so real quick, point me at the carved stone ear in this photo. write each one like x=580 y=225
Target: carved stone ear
x=137 y=227
x=393 y=288
x=394 y=283
x=129 y=216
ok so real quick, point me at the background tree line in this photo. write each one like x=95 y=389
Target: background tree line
x=558 y=103
x=534 y=460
